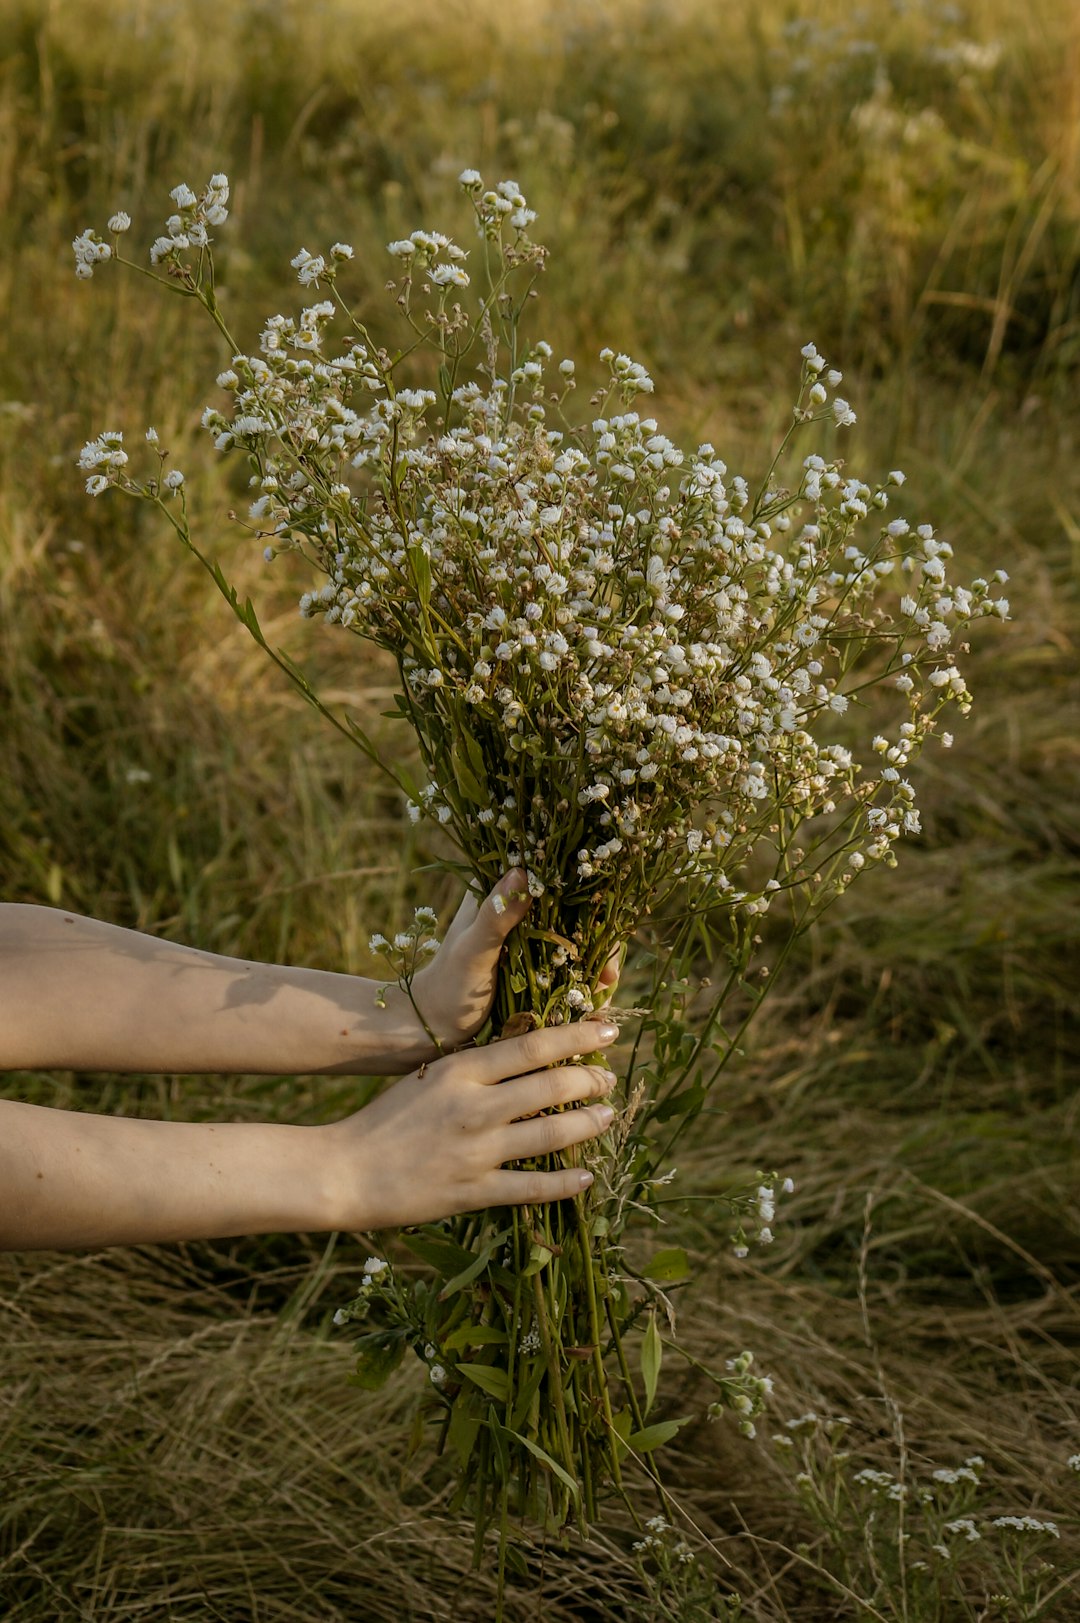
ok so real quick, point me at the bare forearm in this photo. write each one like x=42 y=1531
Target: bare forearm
x=79 y=994
x=69 y=1179
x=435 y=1144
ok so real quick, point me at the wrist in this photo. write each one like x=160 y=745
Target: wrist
x=345 y=1184
x=406 y=1043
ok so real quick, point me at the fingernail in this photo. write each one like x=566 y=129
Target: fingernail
x=585 y=1179
x=609 y=1078
x=606 y=1032
x=606 y=1115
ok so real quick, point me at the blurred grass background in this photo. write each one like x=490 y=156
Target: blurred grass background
x=718 y=184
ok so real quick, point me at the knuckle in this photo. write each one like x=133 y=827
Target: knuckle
x=533 y=1049
x=554 y=1088
x=551 y=1131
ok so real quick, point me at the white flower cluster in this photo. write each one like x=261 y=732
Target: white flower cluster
x=376 y=1271
x=762 y=1207
x=89 y=250
x=409 y=948
x=744 y=1393
x=661 y=1539
x=620 y=660
x=1027 y=1524
x=186 y=228
x=105 y=460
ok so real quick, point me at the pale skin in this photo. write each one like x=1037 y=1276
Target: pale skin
x=79 y=994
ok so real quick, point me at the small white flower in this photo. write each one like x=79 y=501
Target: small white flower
x=842 y=413
x=96 y=484
x=449 y=276
x=119 y=222
x=173 y=480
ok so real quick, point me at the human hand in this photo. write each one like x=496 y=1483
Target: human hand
x=435 y=1143
x=454 y=992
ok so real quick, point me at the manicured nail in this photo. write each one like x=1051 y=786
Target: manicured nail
x=585 y=1179
x=606 y=1032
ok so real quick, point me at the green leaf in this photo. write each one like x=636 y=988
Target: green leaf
x=475 y=755
x=475 y=1267
x=495 y=1382
x=421 y=573
x=439 y=1252
x=680 y=1104
x=500 y=1439
x=527 y=1392
x=546 y=1459
x=378 y=1354
x=652 y=1353
x=650 y=1437
x=466 y=779
x=463 y=1428
x=622 y=1424
x=475 y=1335
x=665 y=1267
x=539 y=1257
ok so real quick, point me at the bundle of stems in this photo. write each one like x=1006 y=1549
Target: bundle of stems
x=632 y=675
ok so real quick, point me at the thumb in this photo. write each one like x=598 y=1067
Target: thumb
x=504 y=907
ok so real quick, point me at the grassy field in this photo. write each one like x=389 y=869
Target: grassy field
x=719 y=183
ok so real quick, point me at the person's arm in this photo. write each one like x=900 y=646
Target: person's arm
x=79 y=994
x=429 y=1147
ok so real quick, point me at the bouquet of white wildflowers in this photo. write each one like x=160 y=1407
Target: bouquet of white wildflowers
x=628 y=672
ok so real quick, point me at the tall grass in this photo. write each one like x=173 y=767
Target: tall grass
x=176 y=1438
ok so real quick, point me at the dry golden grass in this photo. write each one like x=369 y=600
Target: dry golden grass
x=176 y=1437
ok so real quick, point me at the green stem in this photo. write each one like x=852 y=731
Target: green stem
x=587 y=1261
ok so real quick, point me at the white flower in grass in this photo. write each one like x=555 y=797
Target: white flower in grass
x=173 y=479
x=843 y=415
x=89 y=251
x=449 y=276
x=119 y=222
x=308 y=267
x=1026 y=1524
